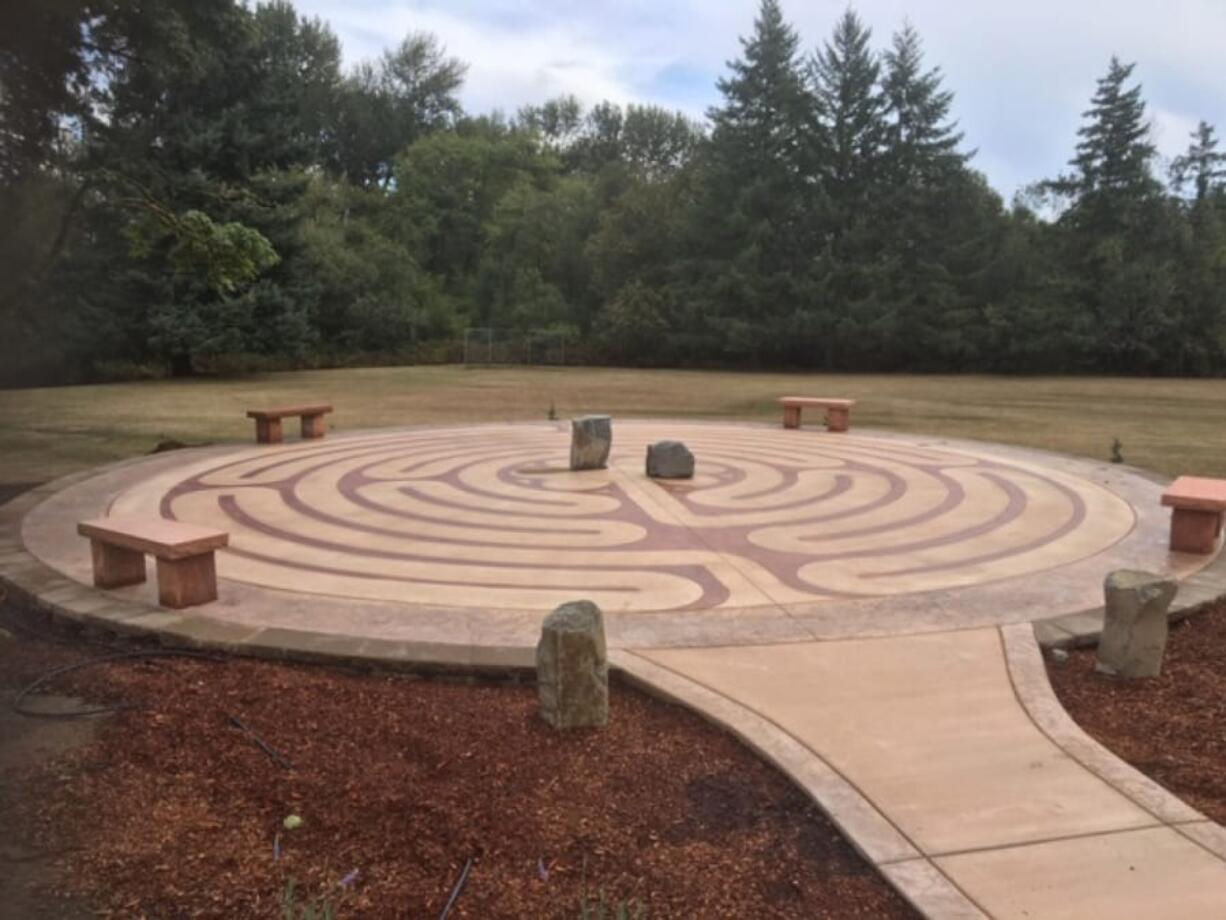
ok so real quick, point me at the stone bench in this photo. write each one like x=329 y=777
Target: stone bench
x=1196 y=507
x=838 y=411
x=187 y=573
x=268 y=421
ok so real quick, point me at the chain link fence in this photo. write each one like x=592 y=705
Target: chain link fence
x=487 y=345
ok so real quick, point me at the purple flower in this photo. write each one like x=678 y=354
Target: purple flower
x=350 y=878
x=541 y=870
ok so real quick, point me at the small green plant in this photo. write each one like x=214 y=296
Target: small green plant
x=553 y=412
x=1117 y=455
x=319 y=909
x=603 y=909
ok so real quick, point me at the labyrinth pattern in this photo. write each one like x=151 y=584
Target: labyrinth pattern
x=489 y=517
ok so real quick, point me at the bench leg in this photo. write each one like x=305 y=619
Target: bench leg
x=791 y=416
x=187 y=582
x=837 y=419
x=1194 y=531
x=115 y=567
x=268 y=430
x=313 y=427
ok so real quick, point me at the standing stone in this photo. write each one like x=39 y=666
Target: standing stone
x=591 y=436
x=669 y=460
x=572 y=667
x=1134 y=625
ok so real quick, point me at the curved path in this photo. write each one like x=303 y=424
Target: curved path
x=856 y=607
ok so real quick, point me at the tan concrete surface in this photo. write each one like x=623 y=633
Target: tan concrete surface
x=466 y=535
x=953 y=743
x=1150 y=874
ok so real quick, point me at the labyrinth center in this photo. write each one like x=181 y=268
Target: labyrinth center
x=490 y=516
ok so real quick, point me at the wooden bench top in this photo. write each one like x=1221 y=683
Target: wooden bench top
x=1196 y=493
x=162 y=537
x=317 y=409
x=817 y=401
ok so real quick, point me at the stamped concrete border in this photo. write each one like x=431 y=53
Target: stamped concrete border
x=40 y=591
x=1196 y=592
x=506 y=640
x=1028 y=673
x=871 y=834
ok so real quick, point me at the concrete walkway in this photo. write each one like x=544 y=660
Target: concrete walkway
x=946 y=759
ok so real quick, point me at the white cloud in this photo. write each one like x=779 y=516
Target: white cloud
x=1022 y=72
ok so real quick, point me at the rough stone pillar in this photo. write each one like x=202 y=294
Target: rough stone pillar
x=591 y=436
x=572 y=667
x=669 y=460
x=1134 y=624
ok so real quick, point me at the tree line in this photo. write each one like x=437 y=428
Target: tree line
x=199 y=185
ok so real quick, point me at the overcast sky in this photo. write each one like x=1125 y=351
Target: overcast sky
x=1022 y=71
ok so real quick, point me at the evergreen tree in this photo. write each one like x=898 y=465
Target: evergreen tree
x=1202 y=165
x=1114 y=154
x=845 y=75
x=1200 y=297
x=757 y=218
x=922 y=201
x=1119 y=234
x=921 y=142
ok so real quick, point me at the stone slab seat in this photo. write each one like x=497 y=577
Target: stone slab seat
x=187 y=573
x=268 y=421
x=1197 y=506
x=838 y=411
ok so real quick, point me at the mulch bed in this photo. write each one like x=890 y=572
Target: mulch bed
x=1171 y=727
x=173 y=812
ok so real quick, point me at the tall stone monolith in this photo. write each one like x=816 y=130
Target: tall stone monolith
x=572 y=667
x=1134 y=623
x=591 y=436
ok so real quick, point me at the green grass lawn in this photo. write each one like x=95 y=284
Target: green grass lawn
x=1170 y=426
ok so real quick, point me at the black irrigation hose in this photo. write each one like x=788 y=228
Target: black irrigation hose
x=273 y=754
x=102 y=659
x=276 y=756
x=455 y=892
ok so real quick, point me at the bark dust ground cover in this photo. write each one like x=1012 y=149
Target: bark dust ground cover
x=168 y=810
x=1171 y=727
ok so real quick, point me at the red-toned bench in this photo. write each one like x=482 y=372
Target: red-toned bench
x=268 y=421
x=1196 y=507
x=838 y=411
x=187 y=574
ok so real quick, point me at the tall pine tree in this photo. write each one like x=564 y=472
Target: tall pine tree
x=1203 y=165
x=845 y=75
x=1119 y=232
x=925 y=206
x=1200 y=297
x=755 y=229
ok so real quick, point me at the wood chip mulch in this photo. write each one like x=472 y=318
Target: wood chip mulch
x=172 y=812
x=1172 y=727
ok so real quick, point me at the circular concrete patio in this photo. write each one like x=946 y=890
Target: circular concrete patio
x=453 y=543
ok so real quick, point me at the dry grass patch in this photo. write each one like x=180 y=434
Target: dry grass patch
x=1171 y=426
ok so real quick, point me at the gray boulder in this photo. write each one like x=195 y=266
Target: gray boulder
x=1134 y=624
x=669 y=460
x=572 y=667
x=591 y=436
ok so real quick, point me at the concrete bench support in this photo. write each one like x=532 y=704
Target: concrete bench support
x=1197 y=506
x=186 y=569
x=268 y=422
x=838 y=411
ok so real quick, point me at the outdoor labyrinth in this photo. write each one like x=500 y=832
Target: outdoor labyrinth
x=490 y=517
